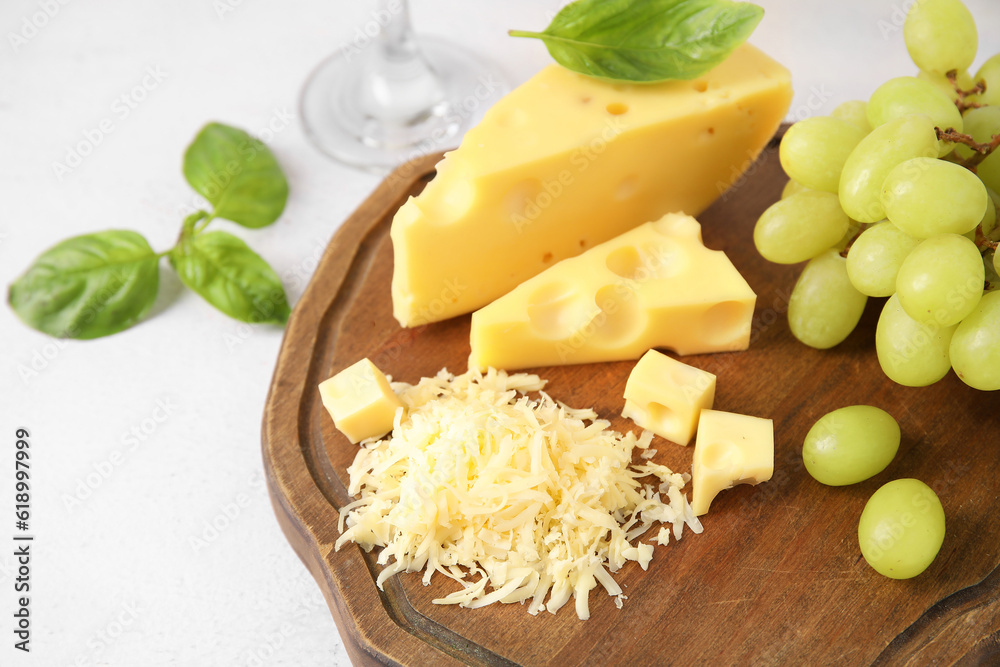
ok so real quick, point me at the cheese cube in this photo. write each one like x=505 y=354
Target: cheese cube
x=666 y=396
x=360 y=401
x=654 y=286
x=731 y=449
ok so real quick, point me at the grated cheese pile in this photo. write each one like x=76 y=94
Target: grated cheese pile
x=532 y=497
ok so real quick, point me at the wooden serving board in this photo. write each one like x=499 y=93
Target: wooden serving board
x=777 y=576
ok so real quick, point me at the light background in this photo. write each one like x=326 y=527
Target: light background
x=167 y=552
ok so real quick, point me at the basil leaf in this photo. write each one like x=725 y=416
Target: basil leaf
x=237 y=174
x=88 y=286
x=231 y=277
x=647 y=41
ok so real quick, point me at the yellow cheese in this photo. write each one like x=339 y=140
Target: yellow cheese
x=654 y=286
x=666 y=397
x=360 y=401
x=731 y=449
x=565 y=162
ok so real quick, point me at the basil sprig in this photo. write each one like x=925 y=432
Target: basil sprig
x=99 y=284
x=230 y=276
x=645 y=41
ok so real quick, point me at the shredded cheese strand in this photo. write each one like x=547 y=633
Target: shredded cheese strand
x=523 y=493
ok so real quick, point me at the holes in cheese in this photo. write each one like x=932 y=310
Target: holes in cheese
x=654 y=286
x=360 y=401
x=628 y=187
x=566 y=157
x=730 y=449
x=723 y=321
x=535 y=500
x=666 y=396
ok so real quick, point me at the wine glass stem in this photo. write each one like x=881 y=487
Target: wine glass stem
x=399 y=87
x=396 y=40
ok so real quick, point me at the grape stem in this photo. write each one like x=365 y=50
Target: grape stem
x=983 y=242
x=962 y=105
x=981 y=151
x=861 y=227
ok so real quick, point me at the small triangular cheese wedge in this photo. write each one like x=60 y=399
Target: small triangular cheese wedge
x=654 y=286
x=565 y=162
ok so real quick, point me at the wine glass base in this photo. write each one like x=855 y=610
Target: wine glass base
x=469 y=85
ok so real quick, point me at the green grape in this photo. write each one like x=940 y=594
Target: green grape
x=940 y=35
x=975 y=347
x=989 y=221
x=800 y=227
x=924 y=197
x=850 y=445
x=813 y=151
x=824 y=307
x=906 y=95
x=792 y=188
x=941 y=280
x=989 y=73
x=964 y=81
x=902 y=528
x=981 y=124
x=989 y=170
x=875 y=257
x=996 y=262
x=911 y=353
x=855 y=112
x=990 y=264
x=875 y=156
x=853 y=229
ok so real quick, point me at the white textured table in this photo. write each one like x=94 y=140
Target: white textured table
x=155 y=543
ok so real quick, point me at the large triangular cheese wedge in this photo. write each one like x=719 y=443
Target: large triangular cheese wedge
x=565 y=162
x=654 y=286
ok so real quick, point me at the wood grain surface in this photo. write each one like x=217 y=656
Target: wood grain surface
x=776 y=578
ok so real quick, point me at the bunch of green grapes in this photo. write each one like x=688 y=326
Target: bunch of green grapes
x=897 y=197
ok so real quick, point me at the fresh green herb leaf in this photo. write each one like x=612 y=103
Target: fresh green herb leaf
x=237 y=174
x=88 y=286
x=99 y=284
x=646 y=41
x=230 y=276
